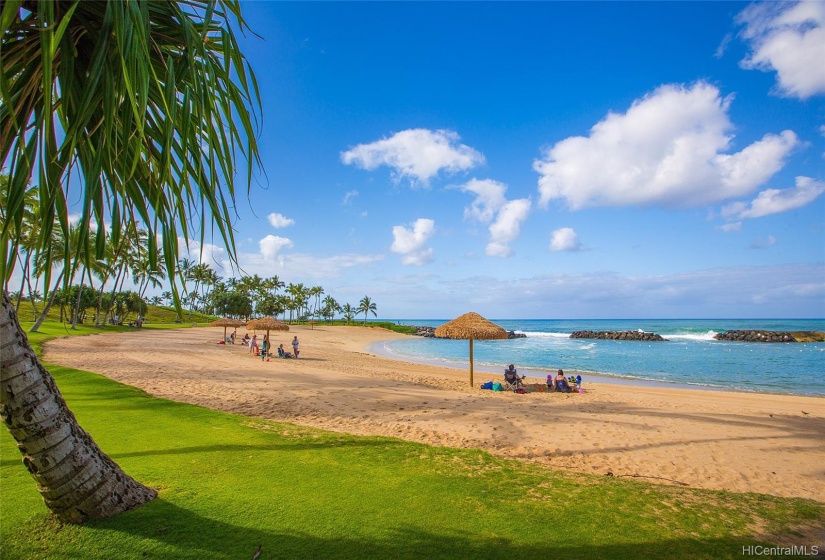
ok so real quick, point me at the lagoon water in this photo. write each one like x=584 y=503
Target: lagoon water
x=690 y=357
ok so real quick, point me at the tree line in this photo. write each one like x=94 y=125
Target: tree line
x=100 y=278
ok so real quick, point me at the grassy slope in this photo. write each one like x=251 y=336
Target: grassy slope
x=229 y=483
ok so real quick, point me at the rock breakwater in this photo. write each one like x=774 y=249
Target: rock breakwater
x=619 y=335
x=770 y=336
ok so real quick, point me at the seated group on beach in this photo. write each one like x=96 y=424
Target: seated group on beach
x=264 y=350
x=559 y=383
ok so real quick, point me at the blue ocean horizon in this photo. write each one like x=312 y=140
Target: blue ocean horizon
x=690 y=358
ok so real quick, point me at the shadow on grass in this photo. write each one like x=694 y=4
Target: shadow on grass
x=280 y=447
x=183 y=534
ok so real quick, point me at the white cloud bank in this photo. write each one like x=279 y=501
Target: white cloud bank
x=277 y=220
x=417 y=154
x=668 y=149
x=774 y=201
x=271 y=245
x=790 y=39
x=490 y=205
x=409 y=243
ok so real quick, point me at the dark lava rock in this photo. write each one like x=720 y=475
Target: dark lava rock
x=767 y=336
x=619 y=335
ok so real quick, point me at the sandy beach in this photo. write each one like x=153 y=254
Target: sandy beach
x=742 y=442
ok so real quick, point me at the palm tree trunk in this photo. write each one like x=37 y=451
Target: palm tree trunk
x=79 y=295
x=112 y=299
x=48 y=304
x=22 y=281
x=77 y=480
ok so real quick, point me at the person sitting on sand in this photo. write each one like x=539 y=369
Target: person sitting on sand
x=282 y=353
x=245 y=339
x=511 y=376
x=561 y=384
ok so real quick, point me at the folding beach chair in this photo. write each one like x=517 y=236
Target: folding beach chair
x=512 y=380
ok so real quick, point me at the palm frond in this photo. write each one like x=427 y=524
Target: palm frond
x=141 y=110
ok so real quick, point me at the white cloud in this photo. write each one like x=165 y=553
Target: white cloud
x=667 y=149
x=303 y=266
x=785 y=290
x=409 y=243
x=507 y=227
x=271 y=245
x=490 y=205
x=321 y=267
x=215 y=256
x=277 y=220
x=348 y=197
x=732 y=226
x=763 y=243
x=774 y=201
x=418 y=154
x=790 y=39
x=564 y=239
x=489 y=199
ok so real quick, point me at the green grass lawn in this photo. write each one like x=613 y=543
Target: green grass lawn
x=229 y=483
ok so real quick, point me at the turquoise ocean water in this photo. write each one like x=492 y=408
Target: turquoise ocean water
x=691 y=357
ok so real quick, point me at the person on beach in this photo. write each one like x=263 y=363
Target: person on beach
x=295 y=350
x=245 y=339
x=253 y=344
x=511 y=376
x=232 y=337
x=561 y=384
x=265 y=348
x=283 y=353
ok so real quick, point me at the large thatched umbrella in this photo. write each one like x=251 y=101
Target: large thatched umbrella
x=267 y=324
x=471 y=326
x=227 y=322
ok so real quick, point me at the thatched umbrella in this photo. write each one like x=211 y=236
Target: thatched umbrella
x=227 y=322
x=267 y=324
x=471 y=326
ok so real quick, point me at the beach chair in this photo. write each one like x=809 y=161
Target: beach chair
x=512 y=380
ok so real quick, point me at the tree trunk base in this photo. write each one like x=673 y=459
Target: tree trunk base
x=77 y=480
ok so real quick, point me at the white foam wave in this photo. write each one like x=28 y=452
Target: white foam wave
x=539 y=334
x=701 y=337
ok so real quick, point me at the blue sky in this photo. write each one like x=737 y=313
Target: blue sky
x=541 y=160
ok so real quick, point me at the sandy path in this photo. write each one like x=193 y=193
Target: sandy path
x=722 y=440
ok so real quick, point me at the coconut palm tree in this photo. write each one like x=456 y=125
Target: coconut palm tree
x=349 y=312
x=330 y=308
x=366 y=306
x=27 y=232
x=147 y=106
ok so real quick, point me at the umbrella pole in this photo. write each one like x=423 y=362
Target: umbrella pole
x=471 y=362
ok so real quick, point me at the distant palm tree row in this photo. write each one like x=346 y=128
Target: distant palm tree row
x=104 y=266
x=206 y=292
